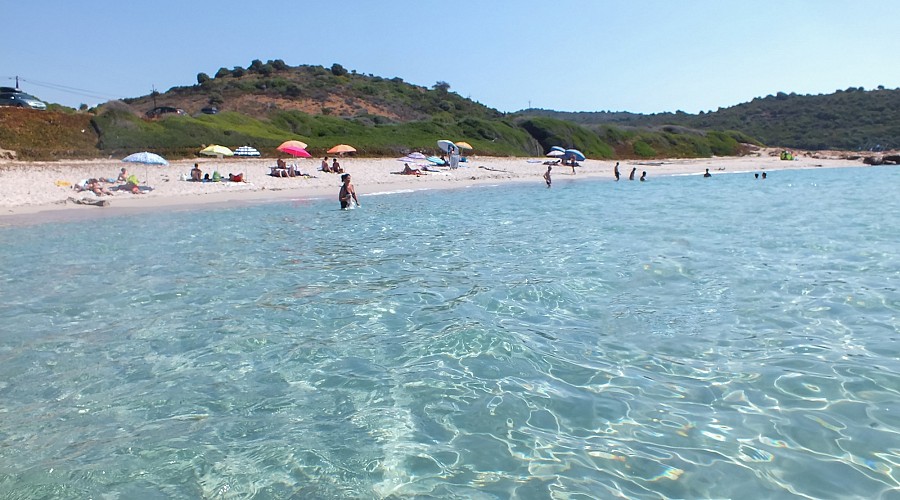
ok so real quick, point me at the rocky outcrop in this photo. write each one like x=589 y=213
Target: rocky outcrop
x=6 y=154
x=893 y=159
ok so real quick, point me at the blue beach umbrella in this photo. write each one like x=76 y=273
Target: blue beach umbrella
x=557 y=148
x=146 y=158
x=574 y=153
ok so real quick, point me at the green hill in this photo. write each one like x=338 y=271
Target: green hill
x=267 y=103
x=854 y=119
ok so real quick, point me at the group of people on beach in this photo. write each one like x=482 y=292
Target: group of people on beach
x=124 y=182
x=197 y=175
x=335 y=167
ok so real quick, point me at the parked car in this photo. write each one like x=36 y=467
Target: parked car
x=211 y=110
x=14 y=97
x=164 y=110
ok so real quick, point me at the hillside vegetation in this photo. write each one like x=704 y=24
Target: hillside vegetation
x=854 y=119
x=267 y=103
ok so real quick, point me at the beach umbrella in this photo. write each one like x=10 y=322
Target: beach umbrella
x=447 y=146
x=341 y=149
x=412 y=157
x=463 y=145
x=146 y=158
x=574 y=153
x=216 y=150
x=246 y=151
x=294 y=144
x=295 y=151
x=556 y=153
x=557 y=148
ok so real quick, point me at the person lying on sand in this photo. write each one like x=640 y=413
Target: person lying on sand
x=407 y=170
x=97 y=188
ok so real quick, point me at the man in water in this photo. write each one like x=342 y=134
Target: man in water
x=547 y=175
x=764 y=175
x=347 y=193
x=707 y=174
x=616 y=171
x=643 y=176
x=631 y=175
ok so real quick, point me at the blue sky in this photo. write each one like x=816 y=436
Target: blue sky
x=642 y=56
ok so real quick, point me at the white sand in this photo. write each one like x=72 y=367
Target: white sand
x=29 y=191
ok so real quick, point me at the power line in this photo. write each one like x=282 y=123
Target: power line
x=65 y=88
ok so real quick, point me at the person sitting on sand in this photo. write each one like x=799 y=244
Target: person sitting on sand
x=122 y=175
x=131 y=184
x=325 y=167
x=236 y=178
x=196 y=173
x=336 y=167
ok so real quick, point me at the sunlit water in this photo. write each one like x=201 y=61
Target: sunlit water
x=679 y=338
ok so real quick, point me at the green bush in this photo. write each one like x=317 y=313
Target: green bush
x=643 y=149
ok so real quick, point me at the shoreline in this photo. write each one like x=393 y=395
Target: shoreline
x=39 y=192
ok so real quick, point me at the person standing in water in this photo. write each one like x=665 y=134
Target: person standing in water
x=347 y=193
x=631 y=175
x=616 y=171
x=547 y=175
x=643 y=176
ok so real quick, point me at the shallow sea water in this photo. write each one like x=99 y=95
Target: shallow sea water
x=680 y=338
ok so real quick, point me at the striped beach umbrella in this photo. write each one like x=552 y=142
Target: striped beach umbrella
x=246 y=151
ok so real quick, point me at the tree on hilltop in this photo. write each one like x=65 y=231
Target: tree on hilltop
x=338 y=70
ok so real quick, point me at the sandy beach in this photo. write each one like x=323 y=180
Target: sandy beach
x=43 y=191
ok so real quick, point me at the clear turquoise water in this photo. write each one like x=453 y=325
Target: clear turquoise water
x=679 y=338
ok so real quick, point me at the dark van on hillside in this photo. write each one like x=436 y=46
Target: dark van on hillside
x=164 y=110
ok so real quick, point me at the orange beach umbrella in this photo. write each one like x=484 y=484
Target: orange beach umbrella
x=342 y=148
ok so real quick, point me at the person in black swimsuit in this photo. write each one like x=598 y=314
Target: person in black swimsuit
x=347 y=193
